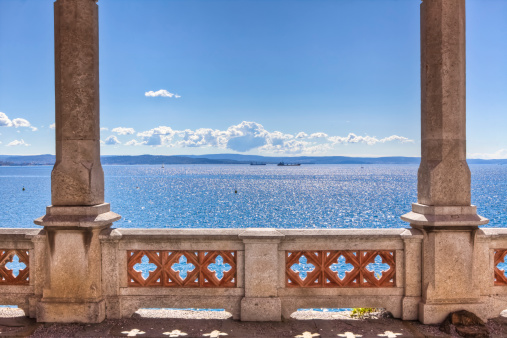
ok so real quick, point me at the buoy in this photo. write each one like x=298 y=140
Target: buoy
x=235 y=191
x=23 y=188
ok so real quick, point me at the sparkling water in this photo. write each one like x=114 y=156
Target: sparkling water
x=227 y=196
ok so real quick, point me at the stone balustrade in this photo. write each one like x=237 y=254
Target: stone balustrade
x=80 y=270
x=255 y=274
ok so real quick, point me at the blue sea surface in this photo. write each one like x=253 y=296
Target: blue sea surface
x=240 y=196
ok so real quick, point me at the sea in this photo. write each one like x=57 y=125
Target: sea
x=243 y=196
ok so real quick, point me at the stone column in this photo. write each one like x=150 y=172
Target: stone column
x=261 y=302
x=444 y=212
x=72 y=289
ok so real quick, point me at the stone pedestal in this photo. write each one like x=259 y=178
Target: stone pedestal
x=72 y=290
x=73 y=281
x=450 y=268
x=261 y=302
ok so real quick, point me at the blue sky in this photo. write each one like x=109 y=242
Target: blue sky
x=270 y=77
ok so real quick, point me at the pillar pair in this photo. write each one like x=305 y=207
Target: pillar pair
x=78 y=213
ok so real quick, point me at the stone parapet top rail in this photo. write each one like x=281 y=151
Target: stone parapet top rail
x=260 y=232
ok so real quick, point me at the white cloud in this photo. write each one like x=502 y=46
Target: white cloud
x=161 y=93
x=112 y=141
x=123 y=131
x=318 y=135
x=23 y=123
x=4 y=120
x=497 y=155
x=248 y=136
x=157 y=136
x=353 y=138
x=17 y=122
x=203 y=137
x=18 y=143
x=133 y=143
x=52 y=126
x=104 y=129
x=20 y=123
x=402 y=139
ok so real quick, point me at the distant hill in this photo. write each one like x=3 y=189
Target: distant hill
x=10 y=160
x=160 y=159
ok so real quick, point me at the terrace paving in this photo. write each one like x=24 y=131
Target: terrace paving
x=188 y=324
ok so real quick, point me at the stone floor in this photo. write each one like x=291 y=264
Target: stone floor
x=309 y=324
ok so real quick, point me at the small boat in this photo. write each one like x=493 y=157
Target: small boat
x=282 y=164
x=162 y=165
x=257 y=163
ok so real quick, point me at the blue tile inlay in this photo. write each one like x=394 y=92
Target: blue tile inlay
x=342 y=267
x=15 y=266
x=219 y=267
x=183 y=267
x=378 y=267
x=145 y=267
x=303 y=267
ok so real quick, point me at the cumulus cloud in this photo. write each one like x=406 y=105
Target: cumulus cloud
x=161 y=93
x=203 y=137
x=52 y=126
x=18 y=143
x=123 y=131
x=23 y=123
x=248 y=136
x=104 y=129
x=17 y=122
x=4 y=120
x=318 y=135
x=133 y=143
x=157 y=136
x=111 y=141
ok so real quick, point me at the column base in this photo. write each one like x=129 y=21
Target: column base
x=89 y=216
x=261 y=309
x=452 y=217
x=436 y=313
x=54 y=311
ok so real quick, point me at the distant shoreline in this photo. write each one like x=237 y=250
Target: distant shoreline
x=38 y=160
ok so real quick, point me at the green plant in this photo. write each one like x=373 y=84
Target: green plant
x=360 y=312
